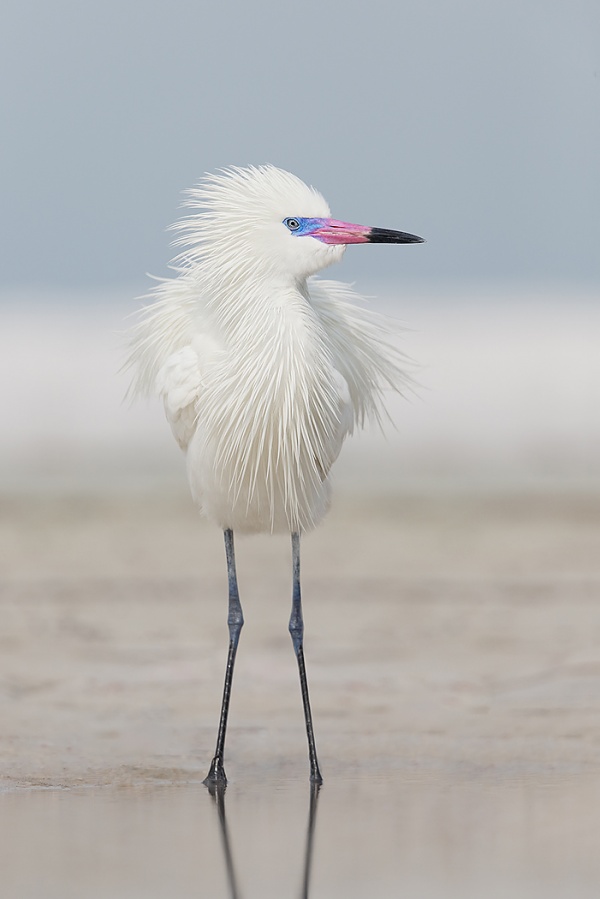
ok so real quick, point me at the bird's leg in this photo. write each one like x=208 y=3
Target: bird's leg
x=235 y=621
x=297 y=633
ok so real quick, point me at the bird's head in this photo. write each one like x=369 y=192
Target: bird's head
x=266 y=219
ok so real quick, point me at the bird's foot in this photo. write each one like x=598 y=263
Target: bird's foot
x=216 y=776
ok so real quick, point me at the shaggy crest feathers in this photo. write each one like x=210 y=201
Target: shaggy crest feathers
x=236 y=204
x=262 y=368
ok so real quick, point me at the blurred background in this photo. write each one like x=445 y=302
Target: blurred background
x=475 y=124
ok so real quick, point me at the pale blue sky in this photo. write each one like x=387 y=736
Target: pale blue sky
x=471 y=122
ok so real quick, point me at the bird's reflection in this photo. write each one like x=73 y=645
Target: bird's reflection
x=310 y=833
x=217 y=791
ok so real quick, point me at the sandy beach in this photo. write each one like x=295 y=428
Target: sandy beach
x=454 y=660
x=458 y=631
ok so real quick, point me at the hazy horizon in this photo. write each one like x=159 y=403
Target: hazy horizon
x=508 y=395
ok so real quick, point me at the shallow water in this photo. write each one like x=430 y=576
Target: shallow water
x=380 y=835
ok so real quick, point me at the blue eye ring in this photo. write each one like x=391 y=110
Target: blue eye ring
x=292 y=224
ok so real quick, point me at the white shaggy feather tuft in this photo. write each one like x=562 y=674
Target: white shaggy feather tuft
x=263 y=369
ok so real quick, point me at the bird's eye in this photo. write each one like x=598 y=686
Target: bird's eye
x=292 y=224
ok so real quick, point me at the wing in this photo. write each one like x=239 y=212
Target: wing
x=164 y=326
x=178 y=383
x=363 y=346
x=168 y=352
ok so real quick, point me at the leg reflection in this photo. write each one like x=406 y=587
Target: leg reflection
x=217 y=791
x=310 y=833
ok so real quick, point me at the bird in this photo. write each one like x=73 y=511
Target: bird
x=264 y=369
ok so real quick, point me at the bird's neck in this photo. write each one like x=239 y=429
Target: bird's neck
x=276 y=343
x=251 y=314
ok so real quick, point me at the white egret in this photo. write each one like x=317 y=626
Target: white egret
x=263 y=369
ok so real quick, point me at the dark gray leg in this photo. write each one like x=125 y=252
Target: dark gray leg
x=297 y=634
x=235 y=621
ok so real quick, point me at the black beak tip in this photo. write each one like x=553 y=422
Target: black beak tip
x=385 y=235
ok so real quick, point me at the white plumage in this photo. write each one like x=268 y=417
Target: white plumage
x=263 y=368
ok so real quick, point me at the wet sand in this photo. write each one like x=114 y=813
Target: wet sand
x=453 y=652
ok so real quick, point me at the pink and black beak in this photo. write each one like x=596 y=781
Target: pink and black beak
x=332 y=231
